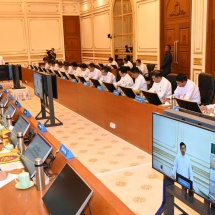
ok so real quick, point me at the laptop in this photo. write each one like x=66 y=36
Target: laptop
x=128 y=92
x=95 y=82
x=21 y=125
x=10 y=111
x=68 y=194
x=185 y=182
x=57 y=73
x=31 y=67
x=110 y=87
x=38 y=148
x=82 y=79
x=64 y=75
x=152 y=98
x=35 y=67
x=114 y=66
x=189 y=105
x=4 y=101
x=44 y=70
x=40 y=69
x=73 y=77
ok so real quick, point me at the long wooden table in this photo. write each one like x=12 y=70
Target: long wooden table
x=133 y=120
x=29 y=202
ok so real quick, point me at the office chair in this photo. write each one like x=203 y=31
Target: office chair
x=148 y=77
x=172 y=79
x=206 y=87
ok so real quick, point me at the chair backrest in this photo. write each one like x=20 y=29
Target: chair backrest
x=172 y=79
x=206 y=87
x=150 y=67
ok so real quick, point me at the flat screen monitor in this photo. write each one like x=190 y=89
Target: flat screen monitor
x=4 y=101
x=21 y=125
x=82 y=79
x=38 y=85
x=152 y=98
x=110 y=87
x=57 y=73
x=73 y=77
x=17 y=76
x=64 y=75
x=40 y=69
x=50 y=79
x=95 y=82
x=128 y=92
x=44 y=70
x=68 y=194
x=186 y=149
x=38 y=148
x=189 y=105
x=114 y=66
x=10 y=111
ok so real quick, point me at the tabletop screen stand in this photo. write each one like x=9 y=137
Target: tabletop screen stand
x=171 y=191
x=47 y=106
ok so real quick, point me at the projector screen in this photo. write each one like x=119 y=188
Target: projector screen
x=185 y=149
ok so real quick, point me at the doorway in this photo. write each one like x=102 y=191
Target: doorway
x=72 y=43
x=176 y=31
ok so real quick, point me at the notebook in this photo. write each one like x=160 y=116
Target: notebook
x=152 y=98
x=110 y=87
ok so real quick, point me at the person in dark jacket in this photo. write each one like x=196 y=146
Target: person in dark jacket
x=166 y=66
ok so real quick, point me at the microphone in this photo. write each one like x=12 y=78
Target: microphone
x=25 y=157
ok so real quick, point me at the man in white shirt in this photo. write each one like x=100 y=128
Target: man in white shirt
x=112 y=62
x=182 y=164
x=94 y=72
x=187 y=89
x=127 y=63
x=2 y=62
x=142 y=67
x=75 y=69
x=60 y=66
x=67 y=68
x=84 y=71
x=140 y=82
x=45 y=60
x=107 y=76
x=161 y=85
x=126 y=80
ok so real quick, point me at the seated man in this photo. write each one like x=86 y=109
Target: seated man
x=140 y=82
x=84 y=71
x=94 y=72
x=142 y=67
x=53 y=67
x=161 y=85
x=112 y=62
x=107 y=76
x=126 y=80
x=186 y=89
x=67 y=68
x=127 y=63
x=75 y=69
x=60 y=66
x=45 y=60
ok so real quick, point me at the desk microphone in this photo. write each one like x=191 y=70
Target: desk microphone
x=25 y=157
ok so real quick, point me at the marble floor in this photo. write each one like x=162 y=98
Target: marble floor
x=123 y=168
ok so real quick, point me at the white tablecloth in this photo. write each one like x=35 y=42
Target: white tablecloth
x=20 y=94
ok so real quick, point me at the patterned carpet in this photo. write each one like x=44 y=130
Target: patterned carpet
x=123 y=168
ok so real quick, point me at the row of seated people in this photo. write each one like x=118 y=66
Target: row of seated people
x=134 y=78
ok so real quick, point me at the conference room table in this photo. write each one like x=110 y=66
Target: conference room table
x=29 y=201
x=132 y=119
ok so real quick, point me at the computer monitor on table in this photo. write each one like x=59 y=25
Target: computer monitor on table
x=64 y=75
x=68 y=194
x=128 y=92
x=4 y=101
x=152 y=98
x=110 y=87
x=189 y=105
x=10 y=111
x=73 y=77
x=82 y=79
x=95 y=82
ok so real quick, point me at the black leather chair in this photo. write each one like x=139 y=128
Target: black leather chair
x=206 y=88
x=148 y=77
x=172 y=79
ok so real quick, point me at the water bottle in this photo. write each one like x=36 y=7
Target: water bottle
x=1 y=109
x=20 y=141
x=9 y=120
x=40 y=179
x=173 y=102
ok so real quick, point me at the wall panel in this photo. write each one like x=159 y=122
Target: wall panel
x=43 y=8
x=86 y=33
x=11 y=8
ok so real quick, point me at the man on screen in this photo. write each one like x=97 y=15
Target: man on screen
x=182 y=164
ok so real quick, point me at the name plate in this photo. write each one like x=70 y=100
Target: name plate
x=11 y=97
x=117 y=93
x=5 y=92
x=139 y=99
x=64 y=78
x=176 y=108
x=27 y=113
x=74 y=80
x=86 y=84
x=67 y=153
x=18 y=104
x=100 y=88
x=41 y=127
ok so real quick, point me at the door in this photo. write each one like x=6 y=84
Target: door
x=176 y=32
x=72 y=43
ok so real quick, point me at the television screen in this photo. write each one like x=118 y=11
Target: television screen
x=21 y=125
x=68 y=194
x=38 y=85
x=185 y=150
x=38 y=148
x=10 y=111
x=52 y=79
